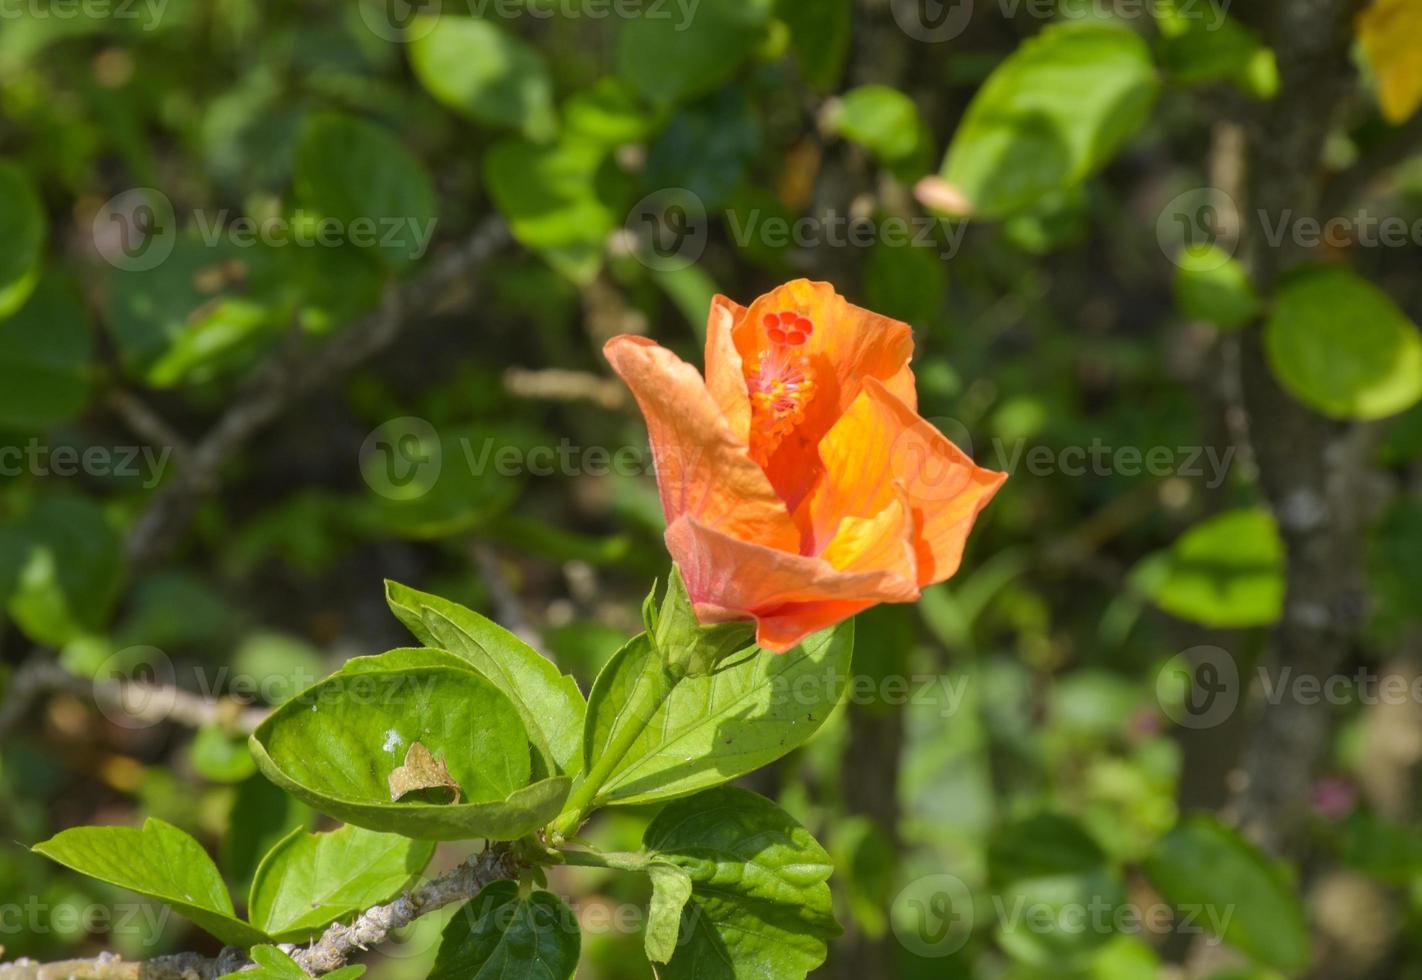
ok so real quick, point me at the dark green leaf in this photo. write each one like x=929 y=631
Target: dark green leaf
x=671 y=58
x=45 y=354
x=820 y=34
x=66 y=563
x=23 y=229
x=1202 y=864
x=760 y=905
x=500 y=934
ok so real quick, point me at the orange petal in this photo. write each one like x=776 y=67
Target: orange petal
x=703 y=470
x=847 y=346
x=881 y=446
x=725 y=373
x=729 y=578
x=882 y=542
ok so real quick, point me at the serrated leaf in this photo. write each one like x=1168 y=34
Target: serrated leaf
x=1226 y=572
x=499 y=934
x=550 y=702
x=671 y=889
x=45 y=353
x=1203 y=864
x=23 y=228
x=760 y=905
x=1052 y=114
x=1342 y=346
x=713 y=728
x=354 y=171
x=308 y=881
x=335 y=745
x=484 y=73
x=161 y=862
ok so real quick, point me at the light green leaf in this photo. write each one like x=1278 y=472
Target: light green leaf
x=608 y=113
x=160 y=862
x=335 y=745
x=671 y=890
x=1341 y=345
x=1050 y=116
x=881 y=119
x=760 y=905
x=219 y=757
x=23 y=229
x=1203 y=864
x=1200 y=43
x=354 y=171
x=308 y=881
x=64 y=563
x=483 y=73
x=499 y=935
x=45 y=354
x=550 y=197
x=549 y=701
x=1211 y=286
x=712 y=728
x=1227 y=572
x=671 y=58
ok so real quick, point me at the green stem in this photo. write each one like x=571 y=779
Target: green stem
x=653 y=688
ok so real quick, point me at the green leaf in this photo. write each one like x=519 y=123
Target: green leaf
x=671 y=890
x=483 y=73
x=1342 y=347
x=712 y=728
x=760 y=905
x=23 y=229
x=1206 y=865
x=308 y=881
x=607 y=113
x=45 y=354
x=1200 y=43
x=1227 y=572
x=549 y=701
x=354 y=171
x=550 y=197
x=905 y=282
x=500 y=934
x=882 y=120
x=65 y=564
x=820 y=33
x=160 y=862
x=219 y=757
x=1211 y=286
x=335 y=746
x=1052 y=114
x=671 y=58
x=273 y=964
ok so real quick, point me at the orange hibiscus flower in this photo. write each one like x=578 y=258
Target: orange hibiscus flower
x=800 y=484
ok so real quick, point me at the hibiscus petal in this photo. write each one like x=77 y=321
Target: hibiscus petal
x=725 y=372
x=728 y=578
x=703 y=470
x=881 y=447
x=884 y=542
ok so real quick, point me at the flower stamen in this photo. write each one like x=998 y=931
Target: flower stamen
x=781 y=383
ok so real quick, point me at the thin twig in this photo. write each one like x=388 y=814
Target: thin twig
x=285 y=379
x=330 y=952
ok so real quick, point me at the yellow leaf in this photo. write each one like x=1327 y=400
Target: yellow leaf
x=1391 y=34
